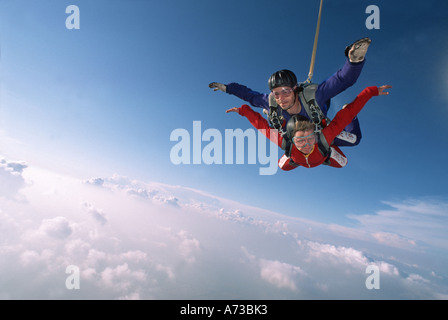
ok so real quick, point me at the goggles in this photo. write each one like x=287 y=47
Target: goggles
x=302 y=141
x=284 y=92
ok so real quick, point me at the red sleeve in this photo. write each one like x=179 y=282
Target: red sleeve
x=346 y=115
x=285 y=163
x=260 y=124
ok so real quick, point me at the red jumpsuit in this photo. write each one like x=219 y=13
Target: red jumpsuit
x=336 y=126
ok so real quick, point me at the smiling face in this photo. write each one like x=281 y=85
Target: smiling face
x=305 y=141
x=285 y=97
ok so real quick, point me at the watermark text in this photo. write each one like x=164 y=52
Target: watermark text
x=229 y=149
x=73 y=20
x=373 y=20
x=373 y=280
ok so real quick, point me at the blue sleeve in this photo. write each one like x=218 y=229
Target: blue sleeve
x=256 y=99
x=338 y=82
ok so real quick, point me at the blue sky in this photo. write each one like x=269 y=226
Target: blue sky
x=104 y=99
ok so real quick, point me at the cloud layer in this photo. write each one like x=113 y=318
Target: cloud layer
x=136 y=240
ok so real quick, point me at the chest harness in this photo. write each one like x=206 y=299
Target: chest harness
x=307 y=98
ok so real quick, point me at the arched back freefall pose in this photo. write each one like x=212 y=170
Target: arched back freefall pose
x=288 y=97
x=306 y=149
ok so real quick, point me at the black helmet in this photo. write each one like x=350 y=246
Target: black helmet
x=282 y=78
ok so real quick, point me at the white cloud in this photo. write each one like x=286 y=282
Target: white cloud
x=408 y=224
x=121 y=278
x=188 y=246
x=11 y=180
x=58 y=227
x=13 y=167
x=97 y=214
x=393 y=239
x=416 y=278
x=166 y=269
x=130 y=242
x=387 y=268
x=351 y=257
x=280 y=274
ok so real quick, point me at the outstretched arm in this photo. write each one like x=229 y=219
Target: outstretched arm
x=338 y=82
x=256 y=99
x=346 y=115
x=259 y=123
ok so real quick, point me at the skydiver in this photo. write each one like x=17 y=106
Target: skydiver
x=285 y=88
x=305 y=150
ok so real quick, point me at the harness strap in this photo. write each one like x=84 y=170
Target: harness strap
x=324 y=147
x=275 y=117
x=287 y=146
x=307 y=97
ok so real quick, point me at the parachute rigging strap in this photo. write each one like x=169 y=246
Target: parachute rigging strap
x=316 y=36
x=275 y=117
x=308 y=101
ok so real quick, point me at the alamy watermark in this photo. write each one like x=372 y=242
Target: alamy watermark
x=73 y=21
x=373 y=20
x=220 y=149
x=373 y=280
x=73 y=280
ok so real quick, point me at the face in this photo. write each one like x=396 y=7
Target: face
x=304 y=141
x=284 y=96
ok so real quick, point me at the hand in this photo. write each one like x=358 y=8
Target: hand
x=218 y=86
x=381 y=89
x=235 y=109
x=357 y=51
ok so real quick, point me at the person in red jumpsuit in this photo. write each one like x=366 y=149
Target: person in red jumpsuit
x=304 y=150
